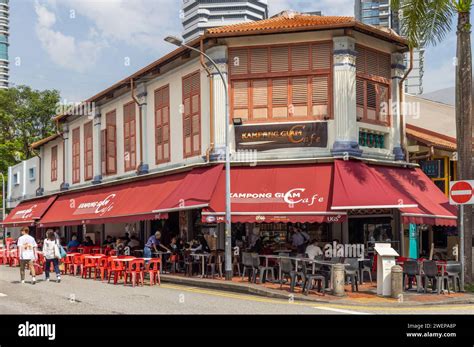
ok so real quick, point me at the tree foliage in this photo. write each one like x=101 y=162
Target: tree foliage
x=25 y=117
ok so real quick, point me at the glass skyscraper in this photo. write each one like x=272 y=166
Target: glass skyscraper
x=4 y=33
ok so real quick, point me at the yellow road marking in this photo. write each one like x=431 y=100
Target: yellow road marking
x=249 y=297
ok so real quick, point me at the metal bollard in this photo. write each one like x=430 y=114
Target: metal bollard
x=338 y=280
x=397 y=281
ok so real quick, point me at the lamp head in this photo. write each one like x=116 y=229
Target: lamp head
x=174 y=40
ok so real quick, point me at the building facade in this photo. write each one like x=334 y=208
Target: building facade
x=4 y=34
x=23 y=181
x=310 y=96
x=200 y=15
x=380 y=13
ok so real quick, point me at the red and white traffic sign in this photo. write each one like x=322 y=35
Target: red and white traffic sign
x=461 y=193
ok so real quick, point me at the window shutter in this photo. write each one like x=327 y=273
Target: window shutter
x=385 y=66
x=371 y=95
x=300 y=58
x=322 y=56
x=88 y=151
x=372 y=63
x=320 y=90
x=259 y=60
x=76 y=155
x=280 y=98
x=280 y=58
x=241 y=99
x=239 y=61
x=54 y=163
x=361 y=59
x=360 y=92
x=103 y=151
x=260 y=99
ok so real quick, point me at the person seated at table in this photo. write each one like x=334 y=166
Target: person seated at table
x=126 y=238
x=73 y=244
x=134 y=243
x=257 y=246
x=154 y=244
x=108 y=242
x=313 y=250
x=120 y=246
x=200 y=245
x=173 y=246
x=88 y=242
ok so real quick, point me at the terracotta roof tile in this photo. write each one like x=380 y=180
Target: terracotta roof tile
x=41 y=142
x=283 y=22
x=431 y=138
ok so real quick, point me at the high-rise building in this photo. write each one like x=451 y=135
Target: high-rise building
x=4 y=33
x=200 y=15
x=380 y=13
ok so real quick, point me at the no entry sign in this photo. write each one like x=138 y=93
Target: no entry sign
x=461 y=193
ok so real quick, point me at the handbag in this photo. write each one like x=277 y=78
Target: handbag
x=61 y=252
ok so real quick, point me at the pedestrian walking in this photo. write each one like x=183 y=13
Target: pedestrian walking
x=27 y=247
x=52 y=255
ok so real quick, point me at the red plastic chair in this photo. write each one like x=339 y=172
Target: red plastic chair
x=90 y=264
x=78 y=263
x=112 y=252
x=117 y=270
x=136 y=272
x=13 y=257
x=69 y=262
x=96 y=250
x=102 y=267
x=87 y=250
x=153 y=270
x=3 y=256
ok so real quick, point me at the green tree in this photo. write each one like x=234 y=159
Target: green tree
x=428 y=22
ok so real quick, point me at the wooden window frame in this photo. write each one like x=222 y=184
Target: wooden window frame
x=193 y=93
x=54 y=163
x=130 y=165
x=377 y=81
x=160 y=107
x=88 y=134
x=290 y=75
x=109 y=149
x=76 y=155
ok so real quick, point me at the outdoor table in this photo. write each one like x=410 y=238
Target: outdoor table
x=203 y=257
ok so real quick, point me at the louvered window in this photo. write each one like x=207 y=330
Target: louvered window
x=88 y=152
x=54 y=163
x=76 y=155
x=162 y=125
x=373 y=85
x=281 y=82
x=191 y=115
x=130 y=138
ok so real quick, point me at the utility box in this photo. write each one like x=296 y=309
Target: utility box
x=385 y=261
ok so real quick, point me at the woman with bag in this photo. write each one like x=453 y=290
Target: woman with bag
x=52 y=254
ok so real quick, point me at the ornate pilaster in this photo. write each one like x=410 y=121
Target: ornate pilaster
x=142 y=99
x=398 y=71
x=219 y=55
x=66 y=158
x=344 y=96
x=97 y=144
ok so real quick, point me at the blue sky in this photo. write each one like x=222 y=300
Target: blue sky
x=81 y=47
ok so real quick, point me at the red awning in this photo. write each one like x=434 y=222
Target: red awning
x=28 y=212
x=194 y=192
x=357 y=186
x=433 y=206
x=273 y=194
x=127 y=202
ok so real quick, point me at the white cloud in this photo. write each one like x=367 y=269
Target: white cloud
x=65 y=50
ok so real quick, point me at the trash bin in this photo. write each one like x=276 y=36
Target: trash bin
x=397 y=281
x=338 y=280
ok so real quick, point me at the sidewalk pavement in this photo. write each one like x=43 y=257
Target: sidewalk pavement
x=366 y=296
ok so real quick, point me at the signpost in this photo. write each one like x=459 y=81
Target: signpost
x=461 y=193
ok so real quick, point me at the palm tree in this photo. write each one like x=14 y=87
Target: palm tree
x=427 y=22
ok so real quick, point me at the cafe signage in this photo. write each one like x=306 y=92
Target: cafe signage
x=264 y=137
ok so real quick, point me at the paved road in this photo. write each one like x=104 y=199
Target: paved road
x=77 y=296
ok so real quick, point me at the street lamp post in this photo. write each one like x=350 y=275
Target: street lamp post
x=228 y=226
x=3 y=206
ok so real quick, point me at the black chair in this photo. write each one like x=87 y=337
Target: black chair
x=188 y=264
x=288 y=271
x=411 y=272
x=432 y=275
x=312 y=279
x=264 y=270
x=213 y=263
x=248 y=266
x=453 y=273
x=352 y=272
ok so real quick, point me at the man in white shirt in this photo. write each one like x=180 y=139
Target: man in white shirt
x=313 y=250
x=27 y=251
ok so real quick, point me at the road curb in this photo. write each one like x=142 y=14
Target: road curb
x=253 y=289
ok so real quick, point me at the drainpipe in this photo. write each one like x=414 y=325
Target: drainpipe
x=142 y=168
x=402 y=100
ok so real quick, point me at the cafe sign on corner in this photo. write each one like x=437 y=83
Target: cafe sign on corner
x=264 y=137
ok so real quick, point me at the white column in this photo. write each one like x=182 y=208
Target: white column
x=398 y=71
x=23 y=192
x=10 y=183
x=142 y=98
x=67 y=158
x=219 y=55
x=97 y=145
x=344 y=96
